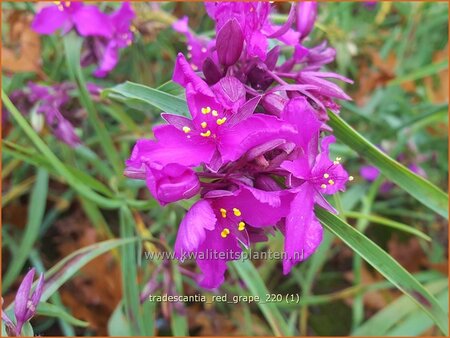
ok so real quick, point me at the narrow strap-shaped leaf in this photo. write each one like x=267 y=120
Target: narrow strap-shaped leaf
x=253 y=280
x=385 y=265
x=36 y=212
x=142 y=98
x=418 y=187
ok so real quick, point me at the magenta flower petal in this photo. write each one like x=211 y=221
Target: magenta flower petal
x=192 y=232
x=306 y=16
x=109 y=60
x=213 y=268
x=90 y=21
x=230 y=93
x=369 y=173
x=49 y=20
x=303 y=232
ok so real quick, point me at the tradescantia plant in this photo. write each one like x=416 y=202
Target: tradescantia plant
x=244 y=147
x=254 y=147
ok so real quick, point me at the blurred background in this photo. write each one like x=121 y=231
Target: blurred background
x=397 y=54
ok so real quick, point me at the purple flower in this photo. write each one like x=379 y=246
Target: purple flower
x=104 y=51
x=216 y=227
x=369 y=173
x=312 y=174
x=25 y=303
x=50 y=102
x=251 y=147
x=86 y=19
x=199 y=48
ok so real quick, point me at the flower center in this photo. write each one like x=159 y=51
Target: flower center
x=208 y=127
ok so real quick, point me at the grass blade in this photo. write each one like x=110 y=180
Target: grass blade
x=255 y=284
x=418 y=187
x=36 y=212
x=386 y=265
x=145 y=98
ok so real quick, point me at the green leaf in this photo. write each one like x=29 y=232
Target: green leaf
x=71 y=264
x=59 y=167
x=145 y=98
x=256 y=286
x=36 y=212
x=418 y=187
x=128 y=255
x=390 y=223
x=118 y=325
x=386 y=265
x=396 y=312
x=51 y=310
x=72 y=47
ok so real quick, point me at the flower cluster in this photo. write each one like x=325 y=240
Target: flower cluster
x=105 y=34
x=54 y=104
x=253 y=148
x=25 y=303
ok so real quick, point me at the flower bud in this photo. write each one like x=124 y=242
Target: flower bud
x=306 y=15
x=172 y=182
x=229 y=43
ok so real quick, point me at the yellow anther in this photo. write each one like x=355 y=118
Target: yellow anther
x=335 y=162
x=338 y=159
x=203 y=124
x=186 y=129
x=221 y=121
x=225 y=232
x=237 y=212
x=241 y=226
x=326 y=175
x=323 y=186
x=330 y=182
x=223 y=212
x=206 y=134
x=133 y=28
x=206 y=110
x=215 y=113
x=351 y=178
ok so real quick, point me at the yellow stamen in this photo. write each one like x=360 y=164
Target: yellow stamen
x=206 y=134
x=338 y=159
x=225 y=232
x=330 y=182
x=241 y=226
x=323 y=186
x=237 y=212
x=326 y=175
x=351 y=178
x=133 y=28
x=186 y=129
x=221 y=121
x=203 y=124
x=215 y=113
x=335 y=162
x=223 y=212
x=206 y=110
